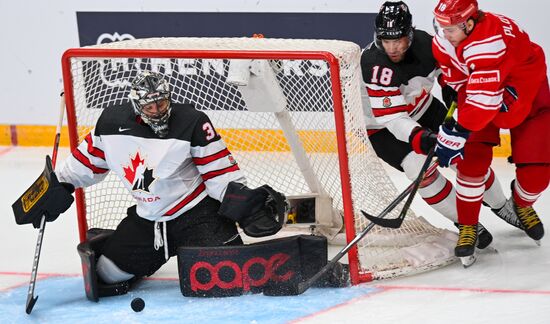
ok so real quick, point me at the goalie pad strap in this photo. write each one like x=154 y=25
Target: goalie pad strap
x=274 y=267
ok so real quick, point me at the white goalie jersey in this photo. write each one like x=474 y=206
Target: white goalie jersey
x=166 y=176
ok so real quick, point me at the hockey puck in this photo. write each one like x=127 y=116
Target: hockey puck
x=137 y=304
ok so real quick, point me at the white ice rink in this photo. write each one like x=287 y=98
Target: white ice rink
x=510 y=283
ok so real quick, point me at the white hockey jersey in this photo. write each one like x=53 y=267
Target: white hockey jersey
x=399 y=93
x=166 y=176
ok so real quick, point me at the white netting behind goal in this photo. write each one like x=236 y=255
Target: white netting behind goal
x=284 y=135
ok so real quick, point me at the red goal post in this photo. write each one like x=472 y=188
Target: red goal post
x=296 y=122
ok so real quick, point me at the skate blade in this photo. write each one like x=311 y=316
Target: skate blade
x=468 y=260
x=488 y=249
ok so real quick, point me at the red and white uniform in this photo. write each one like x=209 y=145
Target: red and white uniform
x=399 y=93
x=497 y=53
x=167 y=176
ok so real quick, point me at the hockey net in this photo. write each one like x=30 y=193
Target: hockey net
x=290 y=112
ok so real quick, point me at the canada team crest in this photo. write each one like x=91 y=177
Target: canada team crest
x=138 y=174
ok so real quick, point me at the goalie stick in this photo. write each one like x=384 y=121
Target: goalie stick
x=396 y=222
x=31 y=299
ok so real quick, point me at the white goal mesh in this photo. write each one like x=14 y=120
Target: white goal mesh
x=296 y=123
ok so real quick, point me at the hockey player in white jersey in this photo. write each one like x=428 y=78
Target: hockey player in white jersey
x=189 y=190
x=399 y=72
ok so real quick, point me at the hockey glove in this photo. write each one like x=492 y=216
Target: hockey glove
x=259 y=212
x=509 y=97
x=449 y=95
x=59 y=200
x=450 y=145
x=46 y=196
x=422 y=140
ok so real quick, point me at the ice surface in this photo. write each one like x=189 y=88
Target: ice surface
x=509 y=283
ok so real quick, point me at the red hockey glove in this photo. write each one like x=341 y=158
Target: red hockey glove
x=509 y=97
x=450 y=145
x=422 y=140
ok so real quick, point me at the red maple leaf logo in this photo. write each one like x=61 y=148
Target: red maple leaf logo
x=386 y=102
x=130 y=171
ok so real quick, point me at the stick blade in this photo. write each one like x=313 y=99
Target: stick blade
x=384 y=222
x=30 y=304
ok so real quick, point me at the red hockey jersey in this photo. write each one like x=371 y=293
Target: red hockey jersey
x=497 y=54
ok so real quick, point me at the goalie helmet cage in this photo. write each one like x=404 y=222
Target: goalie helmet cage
x=292 y=117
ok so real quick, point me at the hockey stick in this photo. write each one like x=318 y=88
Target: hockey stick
x=409 y=191
x=303 y=286
x=396 y=222
x=31 y=299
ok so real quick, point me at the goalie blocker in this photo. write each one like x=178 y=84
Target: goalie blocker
x=46 y=196
x=274 y=267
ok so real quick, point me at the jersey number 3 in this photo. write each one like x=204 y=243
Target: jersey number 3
x=210 y=132
x=384 y=76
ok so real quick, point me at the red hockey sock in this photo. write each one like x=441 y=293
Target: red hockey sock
x=531 y=181
x=469 y=194
x=471 y=181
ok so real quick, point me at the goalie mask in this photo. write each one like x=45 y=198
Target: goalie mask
x=150 y=96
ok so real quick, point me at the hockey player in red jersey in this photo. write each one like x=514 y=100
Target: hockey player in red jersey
x=500 y=76
x=399 y=72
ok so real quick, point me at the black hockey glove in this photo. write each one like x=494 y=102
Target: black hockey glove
x=46 y=196
x=449 y=95
x=259 y=212
x=60 y=198
x=422 y=140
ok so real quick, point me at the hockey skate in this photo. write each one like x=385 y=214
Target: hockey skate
x=465 y=247
x=484 y=237
x=531 y=222
x=507 y=213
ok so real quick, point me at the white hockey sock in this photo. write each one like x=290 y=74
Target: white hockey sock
x=440 y=194
x=493 y=196
x=436 y=190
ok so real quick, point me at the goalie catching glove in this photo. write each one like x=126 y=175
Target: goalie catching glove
x=46 y=196
x=259 y=212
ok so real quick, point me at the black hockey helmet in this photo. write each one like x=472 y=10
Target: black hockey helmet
x=147 y=88
x=394 y=20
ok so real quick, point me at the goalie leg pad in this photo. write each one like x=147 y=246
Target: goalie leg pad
x=274 y=267
x=89 y=251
